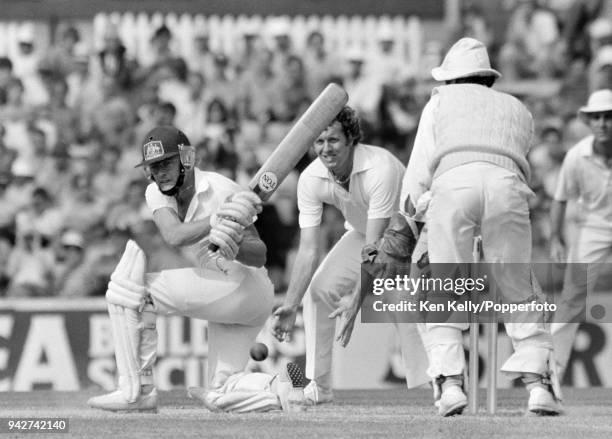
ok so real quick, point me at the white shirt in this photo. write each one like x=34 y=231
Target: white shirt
x=211 y=189
x=586 y=177
x=373 y=191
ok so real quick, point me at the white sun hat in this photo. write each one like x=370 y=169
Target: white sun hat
x=599 y=101
x=467 y=57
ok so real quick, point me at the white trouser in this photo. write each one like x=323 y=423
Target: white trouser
x=590 y=246
x=236 y=309
x=336 y=277
x=482 y=196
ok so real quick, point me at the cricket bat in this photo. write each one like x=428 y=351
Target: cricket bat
x=295 y=144
x=319 y=115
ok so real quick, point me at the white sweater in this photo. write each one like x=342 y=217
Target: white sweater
x=476 y=123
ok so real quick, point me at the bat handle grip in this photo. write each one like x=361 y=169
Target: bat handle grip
x=258 y=192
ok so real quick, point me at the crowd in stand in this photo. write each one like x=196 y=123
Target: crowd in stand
x=72 y=121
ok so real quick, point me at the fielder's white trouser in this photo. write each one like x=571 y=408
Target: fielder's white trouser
x=590 y=246
x=336 y=277
x=485 y=197
x=235 y=305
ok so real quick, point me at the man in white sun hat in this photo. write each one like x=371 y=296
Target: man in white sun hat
x=585 y=177
x=469 y=153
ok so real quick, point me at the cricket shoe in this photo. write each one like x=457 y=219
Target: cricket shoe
x=542 y=403
x=290 y=389
x=117 y=402
x=452 y=402
x=317 y=395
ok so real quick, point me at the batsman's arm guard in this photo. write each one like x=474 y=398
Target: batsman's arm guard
x=126 y=301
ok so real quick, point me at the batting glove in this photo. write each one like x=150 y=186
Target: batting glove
x=238 y=211
x=227 y=235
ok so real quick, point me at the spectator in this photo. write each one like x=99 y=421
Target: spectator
x=113 y=118
x=294 y=94
x=221 y=85
x=574 y=88
x=29 y=266
x=82 y=211
x=59 y=115
x=8 y=211
x=203 y=59
x=385 y=66
x=245 y=56
x=68 y=256
x=364 y=93
x=79 y=80
x=27 y=57
x=126 y=214
x=575 y=40
x=472 y=23
x=14 y=107
x=162 y=51
x=319 y=65
x=530 y=42
x=60 y=57
x=399 y=111
x=164 y=113
x=7 y=155
x=282 y=47
x=42 y=217
x=6 y=73
x=90 y=278
x=109 y=182
x=259 y=90
x=600 y=71
x=112 y=60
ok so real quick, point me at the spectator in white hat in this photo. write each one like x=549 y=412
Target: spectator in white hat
x=584 y=178
x=470 y=154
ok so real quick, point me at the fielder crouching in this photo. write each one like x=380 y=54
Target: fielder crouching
x=230 y=288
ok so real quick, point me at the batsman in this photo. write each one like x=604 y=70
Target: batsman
x=229 y=288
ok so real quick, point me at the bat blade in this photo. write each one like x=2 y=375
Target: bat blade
x=319 y=115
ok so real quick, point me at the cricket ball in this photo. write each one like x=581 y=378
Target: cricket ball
x=259 y=352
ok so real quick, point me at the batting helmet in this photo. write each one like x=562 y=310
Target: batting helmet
x=163 y=142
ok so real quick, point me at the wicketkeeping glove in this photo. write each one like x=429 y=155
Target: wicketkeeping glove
x=392 y=254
